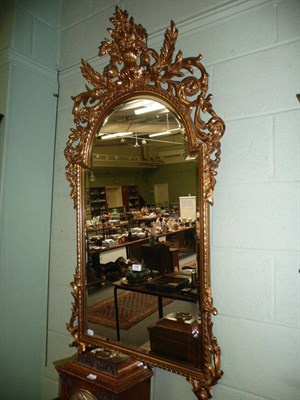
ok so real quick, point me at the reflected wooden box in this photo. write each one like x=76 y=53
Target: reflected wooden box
x=176 y=338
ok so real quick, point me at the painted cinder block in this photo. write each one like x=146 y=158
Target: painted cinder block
x=243 y=283
x=45 y=10
x=83 y=39
x=256 y=216
x=287 y=289
x=99 y=5
x=36 y=36
x=44 y=44
x=72 y=13
x=288 y=20
x=230 y=35
x=60 y=300
x=287 y=145
x=259 y=83
x=72 y=83
x=22 y=31
x=259 y=358
x=63 y=219
x=58 y=344
x=177 y=388
x=64 y=254
x=158 y=16
x=247 y=151
x=223 y=392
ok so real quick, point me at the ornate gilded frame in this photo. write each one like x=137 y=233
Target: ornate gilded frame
x=134 y=70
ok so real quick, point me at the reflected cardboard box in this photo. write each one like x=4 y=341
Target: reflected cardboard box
x=109 y=243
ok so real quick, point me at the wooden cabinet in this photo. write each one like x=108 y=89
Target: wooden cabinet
x=92 y=378
x=102 y=198
x=131 y=197
x=98 y=202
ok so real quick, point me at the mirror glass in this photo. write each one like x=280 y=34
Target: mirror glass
x=141 y=217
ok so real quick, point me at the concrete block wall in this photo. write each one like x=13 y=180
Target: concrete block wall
x=251 y=50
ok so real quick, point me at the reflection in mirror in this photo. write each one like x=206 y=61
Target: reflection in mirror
x=141 y=216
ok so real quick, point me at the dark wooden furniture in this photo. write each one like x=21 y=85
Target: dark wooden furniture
x=131 y=197
x=157 y=257
x=177 y=338
x=94 y=378
x=179 y=295
x=98 y=202
x=174 y=254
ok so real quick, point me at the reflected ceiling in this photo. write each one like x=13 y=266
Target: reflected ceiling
x=139 y=133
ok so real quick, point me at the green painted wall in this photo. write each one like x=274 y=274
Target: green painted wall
x=27 y=140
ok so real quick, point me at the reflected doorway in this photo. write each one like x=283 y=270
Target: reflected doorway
x=161 y=193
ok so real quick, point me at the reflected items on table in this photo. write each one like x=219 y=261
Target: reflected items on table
x=167 y=283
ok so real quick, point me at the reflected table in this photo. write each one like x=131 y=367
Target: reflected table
x=181 y=295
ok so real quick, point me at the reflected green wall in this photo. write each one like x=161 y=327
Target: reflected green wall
x=181 y=179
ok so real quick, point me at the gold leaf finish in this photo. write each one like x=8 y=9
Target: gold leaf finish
x=136 y=71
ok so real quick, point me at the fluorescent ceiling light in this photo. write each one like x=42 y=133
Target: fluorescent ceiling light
x=135 y=104
x=151 y=107
x=168 y=132
x=191 y=157
x=115 y=135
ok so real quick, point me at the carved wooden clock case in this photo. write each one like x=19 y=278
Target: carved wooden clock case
x=104 y=377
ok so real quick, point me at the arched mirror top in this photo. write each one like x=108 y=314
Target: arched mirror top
x=137 y=77
x=137 y=71
x=143 y=119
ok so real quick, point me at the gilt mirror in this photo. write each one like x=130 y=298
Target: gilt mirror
x=142 y=159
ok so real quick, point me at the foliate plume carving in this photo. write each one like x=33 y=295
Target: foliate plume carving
x=71 y=174
x=134 y=66
x=212 y=358
x=211 y=355
x=200 y=389
x=72 y=325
